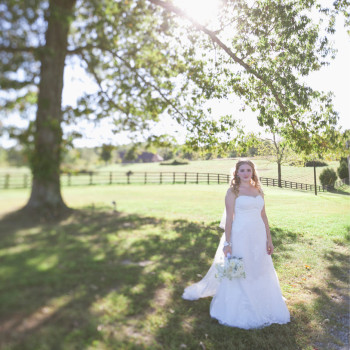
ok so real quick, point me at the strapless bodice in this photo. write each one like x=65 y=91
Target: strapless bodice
x=249 y=203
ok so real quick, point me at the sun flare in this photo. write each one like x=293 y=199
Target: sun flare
x=203 y=11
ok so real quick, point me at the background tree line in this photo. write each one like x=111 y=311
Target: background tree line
x=85 y=158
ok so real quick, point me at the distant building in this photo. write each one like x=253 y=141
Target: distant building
x=148 y=157
x=144 y=157
x=121 y=154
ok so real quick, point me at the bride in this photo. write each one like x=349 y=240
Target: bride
x=254 y=301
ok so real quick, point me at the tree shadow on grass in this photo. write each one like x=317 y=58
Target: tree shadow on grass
x=102 y=280
x=341 y=190
x=333 y=304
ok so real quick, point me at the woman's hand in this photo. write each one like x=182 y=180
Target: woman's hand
x=269 y=247
x=227 y=250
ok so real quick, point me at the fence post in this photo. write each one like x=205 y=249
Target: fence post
x=173 y=178
x=69 y=179
x=208 y=178
x=145 y=178
x=197 y=179
x=228 y=179
x=110 y=178
x=185 y=178
x=160 y=178
x=128 y=175
x=315 y=178
x=7 y=181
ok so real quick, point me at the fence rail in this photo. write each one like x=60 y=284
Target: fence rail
x=143 y=178
x=15 y=181
x=266 y=181
x=9 y=181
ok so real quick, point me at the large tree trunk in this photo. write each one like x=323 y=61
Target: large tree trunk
x=45 y=161
x=348 y=181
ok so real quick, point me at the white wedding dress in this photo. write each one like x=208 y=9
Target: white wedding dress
x=252 y=302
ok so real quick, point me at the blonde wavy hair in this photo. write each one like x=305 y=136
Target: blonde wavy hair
x=235 y=180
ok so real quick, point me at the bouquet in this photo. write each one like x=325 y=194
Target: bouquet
x=232 y=267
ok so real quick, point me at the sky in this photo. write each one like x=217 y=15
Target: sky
x=335 y=77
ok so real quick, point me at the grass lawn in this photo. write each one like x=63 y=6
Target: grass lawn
x=104 y=280
x=14 y=169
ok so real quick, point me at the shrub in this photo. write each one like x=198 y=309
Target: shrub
x=310 y=163
x=208 y=156
x=328 y=177
x=343 y=171
x=296 y=163
x=175 y=162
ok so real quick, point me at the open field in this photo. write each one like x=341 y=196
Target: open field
x=14 y=170
x=104 y=280
x=222 y=166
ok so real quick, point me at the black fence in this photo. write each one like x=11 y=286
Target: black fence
x=15 y=181
x=266 y=181
x=9 y=181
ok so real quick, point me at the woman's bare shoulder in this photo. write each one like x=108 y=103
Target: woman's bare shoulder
x=230 y=193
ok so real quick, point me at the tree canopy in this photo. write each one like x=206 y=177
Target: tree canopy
x=146 y=63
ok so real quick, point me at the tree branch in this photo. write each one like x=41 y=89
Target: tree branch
x=99 y=83
x=79 y=51
x=10 y=49
x=153 y=86
x=8 y=84
x=169 y=7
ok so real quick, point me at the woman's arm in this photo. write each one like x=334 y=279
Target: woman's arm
x=269 y=245
x=230 y=205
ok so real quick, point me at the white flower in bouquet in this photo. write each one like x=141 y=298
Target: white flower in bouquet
x=232 y=267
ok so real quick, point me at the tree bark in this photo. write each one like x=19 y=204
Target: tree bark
x=279 y=172
x=45 y=160
x=348 y=181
